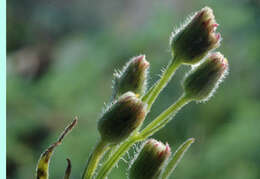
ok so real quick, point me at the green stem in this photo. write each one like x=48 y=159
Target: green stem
x=95 y=157
x=111 y=150
x=157 y=124
x=153 y=93
x=164 y=117
x=177 y=156
x=149 y=98
x=115 y=157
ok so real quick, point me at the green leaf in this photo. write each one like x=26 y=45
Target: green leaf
x=176 y=158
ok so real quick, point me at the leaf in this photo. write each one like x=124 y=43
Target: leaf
x=42 y=170
x=176 y=158
x=68 y=170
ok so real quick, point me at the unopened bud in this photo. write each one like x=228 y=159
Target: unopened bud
x=121 y=118
x=201 y=82
x=196 y=38
x=150 y=160
x=133 y=77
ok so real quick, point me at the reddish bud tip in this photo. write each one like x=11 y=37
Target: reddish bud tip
x=132 y=78
x=142 y=62
x=193 y=41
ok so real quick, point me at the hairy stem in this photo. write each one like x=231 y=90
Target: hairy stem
x=95 y=157
x=153 y=93
x=115 y=157
x=154 y=126
x=164 y=117
x=149 y=98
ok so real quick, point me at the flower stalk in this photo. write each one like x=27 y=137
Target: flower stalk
x=154 y=126
x=109 y=164
x=153 y=93
x=95 y=157
x=189 y=45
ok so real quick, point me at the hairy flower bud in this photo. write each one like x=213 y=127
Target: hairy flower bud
x=121 y=118
x=196 y=38
x=201 y=82
x=132 y=78
x=150 y=160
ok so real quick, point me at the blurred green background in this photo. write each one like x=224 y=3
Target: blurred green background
x=61 y=57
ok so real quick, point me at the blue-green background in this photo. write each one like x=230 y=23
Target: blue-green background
x=61 y=57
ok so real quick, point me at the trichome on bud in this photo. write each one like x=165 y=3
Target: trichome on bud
x=133 y=77
x=201 y=82
x=121 y=118
x=150 y=160
x=196 y=38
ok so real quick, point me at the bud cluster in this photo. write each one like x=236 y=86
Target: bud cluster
x=190 y=44
x=119 y=125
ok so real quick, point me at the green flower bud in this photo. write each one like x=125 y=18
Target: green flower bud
x=196 y=38
x=201 y=82
x=150 y=160
x=132 y=78
x=121 y=118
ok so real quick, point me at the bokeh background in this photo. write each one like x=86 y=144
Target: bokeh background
x=61 y=57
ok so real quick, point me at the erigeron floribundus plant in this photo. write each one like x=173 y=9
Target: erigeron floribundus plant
x=120 y=126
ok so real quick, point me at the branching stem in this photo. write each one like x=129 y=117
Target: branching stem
x=115 y=157
x=154 y=126
x=164 y=117
x=154 y=91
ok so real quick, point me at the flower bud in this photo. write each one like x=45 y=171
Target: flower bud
x=201 y=82
x=121 y=118
x=132 y=78
x=150 y=160
x=196 y=38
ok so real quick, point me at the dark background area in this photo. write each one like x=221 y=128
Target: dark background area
x=61 y=57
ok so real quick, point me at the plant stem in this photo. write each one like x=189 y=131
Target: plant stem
x=115 y=157
x=155 y=125
x=164 y=117
x=154 y=91
x=95 y=157
x=177 y=156
x=149 y=98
